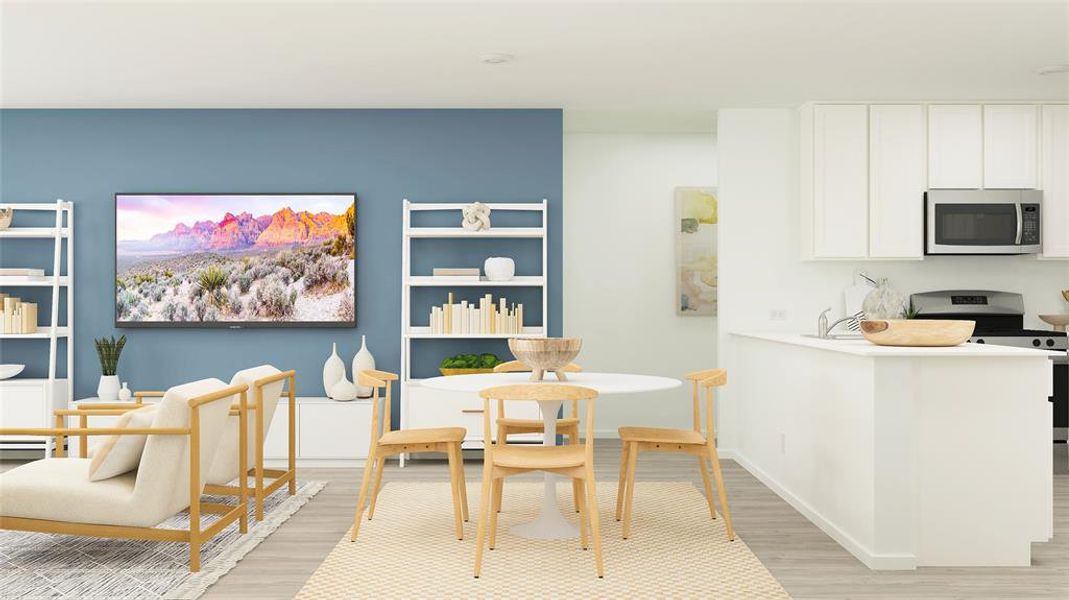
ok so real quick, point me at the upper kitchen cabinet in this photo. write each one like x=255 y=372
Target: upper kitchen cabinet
x=1055 y=180
x=896 y=180
x=955 y=146
x=835 y=183
x=1011 y=145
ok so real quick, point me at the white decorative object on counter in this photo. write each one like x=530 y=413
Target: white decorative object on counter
x=124 y=392
x=343 y=391
x=108 y=388
x=476 y=217
x=499 y=268
x=362 y=362
x=884 y=302
x=333 y=370
x=9 y=371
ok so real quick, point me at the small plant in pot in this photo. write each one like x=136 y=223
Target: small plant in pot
x=108 y=351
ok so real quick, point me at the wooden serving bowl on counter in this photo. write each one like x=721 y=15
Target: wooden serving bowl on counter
x=545 y=354
x=917 y=332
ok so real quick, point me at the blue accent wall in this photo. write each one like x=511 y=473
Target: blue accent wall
x=383 y=156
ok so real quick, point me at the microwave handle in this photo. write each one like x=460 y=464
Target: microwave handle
x=1020 y=224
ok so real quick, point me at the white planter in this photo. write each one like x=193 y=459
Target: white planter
x=333 y=370
x=499 y=268
x=361 y=362
x=108 y=388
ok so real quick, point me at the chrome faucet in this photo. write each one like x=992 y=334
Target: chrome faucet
x=823 y=330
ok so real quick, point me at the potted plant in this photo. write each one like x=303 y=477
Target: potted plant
x=108 y=351
x=468 y=364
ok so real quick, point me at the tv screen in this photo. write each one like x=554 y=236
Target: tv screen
x=235 y=260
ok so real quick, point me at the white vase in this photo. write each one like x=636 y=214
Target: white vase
x=125 y=394
x=884 y=302
x=343 y=391
x=108 y=388
x=333 y=370
x=362 y=362
x=499 y=268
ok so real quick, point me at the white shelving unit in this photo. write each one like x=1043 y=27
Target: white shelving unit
x=28 y=402
x=453 y=410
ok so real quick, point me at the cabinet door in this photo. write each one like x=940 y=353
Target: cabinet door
x=955 y=146
x=436 y=408
x=1010 y=146
x=840 y=181
x=896 y=181
x=1055 y=215
x=339 y=430
x=276 y=444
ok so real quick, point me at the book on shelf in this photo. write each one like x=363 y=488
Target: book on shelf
x=17 y=316
x=484 y=317
x=20 y=272
x=458 y=274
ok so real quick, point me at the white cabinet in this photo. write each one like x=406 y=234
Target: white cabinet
x=896 y=180
x=955 y=146
x=437 y=408
x=1010 y=145
x=276 y=444
x=29 y=403
x=1055 y=181
x=840 y=181
x=333 y=430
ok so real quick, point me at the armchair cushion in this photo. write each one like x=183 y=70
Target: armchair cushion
x=59 y=489
x=121 y=453
x=225 y=467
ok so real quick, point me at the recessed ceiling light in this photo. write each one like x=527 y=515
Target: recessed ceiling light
x=496 y=58
x=1053 y=69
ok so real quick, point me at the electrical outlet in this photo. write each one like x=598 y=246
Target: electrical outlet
x=783 y=443
x=777 y=314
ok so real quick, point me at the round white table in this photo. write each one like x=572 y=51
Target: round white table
x=550 y=523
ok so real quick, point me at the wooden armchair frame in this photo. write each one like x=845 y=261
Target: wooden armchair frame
x=194 y=536
x=260 y=491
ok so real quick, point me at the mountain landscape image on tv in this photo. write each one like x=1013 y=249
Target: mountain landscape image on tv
x=232 y=260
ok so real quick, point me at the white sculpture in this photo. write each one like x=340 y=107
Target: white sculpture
x=476 y=217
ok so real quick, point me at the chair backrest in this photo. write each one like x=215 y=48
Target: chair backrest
x=225 y=467
x=377 y=380
x=162 y=485
x=540 y=392
x=516 y=366
x=708 y=379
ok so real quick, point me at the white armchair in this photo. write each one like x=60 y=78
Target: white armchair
x=57 y=496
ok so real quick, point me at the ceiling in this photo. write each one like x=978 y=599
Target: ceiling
x=618 y=56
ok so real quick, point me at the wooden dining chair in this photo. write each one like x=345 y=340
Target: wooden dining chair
x=686 y=441
x=571 y=460
x=568 y=426
x=403 y=441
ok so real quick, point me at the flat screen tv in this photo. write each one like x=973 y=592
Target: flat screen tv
x=235 y=260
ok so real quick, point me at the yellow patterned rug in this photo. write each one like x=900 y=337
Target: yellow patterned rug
x=409 y=551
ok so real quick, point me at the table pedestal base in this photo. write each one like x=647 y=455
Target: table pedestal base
x=550 y=523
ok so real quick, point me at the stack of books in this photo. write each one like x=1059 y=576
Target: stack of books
x=17 y=316
x=458 y=274
x=477 y=318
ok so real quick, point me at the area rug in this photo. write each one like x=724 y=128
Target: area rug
x=39 y=565
x=409 y=551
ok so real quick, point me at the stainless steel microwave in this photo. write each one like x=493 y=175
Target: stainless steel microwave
x=982 y=221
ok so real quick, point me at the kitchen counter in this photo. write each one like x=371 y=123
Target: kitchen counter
x=907 y=457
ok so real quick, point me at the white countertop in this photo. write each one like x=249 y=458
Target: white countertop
x=861 y=347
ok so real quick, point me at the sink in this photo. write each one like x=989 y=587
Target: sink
x=836 y=336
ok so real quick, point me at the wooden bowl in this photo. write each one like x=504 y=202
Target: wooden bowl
x=545 y=354
x=917 y=332
x=1058 y=321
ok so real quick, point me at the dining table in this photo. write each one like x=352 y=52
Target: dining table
x=551 y=523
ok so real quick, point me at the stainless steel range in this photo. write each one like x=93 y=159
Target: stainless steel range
x=999 y=320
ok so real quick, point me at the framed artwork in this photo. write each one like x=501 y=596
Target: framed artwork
x=696 y=233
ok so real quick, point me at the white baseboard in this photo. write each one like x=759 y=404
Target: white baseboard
x=876 y=562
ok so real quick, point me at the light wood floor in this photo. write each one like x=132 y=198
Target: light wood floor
x=807 y=562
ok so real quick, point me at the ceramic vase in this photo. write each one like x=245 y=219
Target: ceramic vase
x=333 y=370
x=343 y=391
x=884 y=302
x=499 y=268
x=362 y=362
x=124 y=393
x=108 y=388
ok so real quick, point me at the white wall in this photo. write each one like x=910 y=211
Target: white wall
x=760 y=269
x=619 y=257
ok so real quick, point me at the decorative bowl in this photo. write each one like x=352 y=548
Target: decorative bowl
x=448 y=372
x=545 y=354
x=1065 y=294
x=1058 y=321
x=917 y=332
x=6 y=215
x=9 y=371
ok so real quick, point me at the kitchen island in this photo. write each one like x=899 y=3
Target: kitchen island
x=907 y=457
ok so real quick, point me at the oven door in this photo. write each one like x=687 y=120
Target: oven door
x=977 y=222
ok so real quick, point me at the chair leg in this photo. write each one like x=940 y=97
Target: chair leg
x=621 y=487
x=194 y=555
x=380 y=466
x=629 y=496
x=458 y=516
x=708 y=488
x=364 y=484
x=498 y=486
x=484 y=514
x=584 y=513
x=502 y=439
x=577 y=490
x=461 y=481
x=714 y=461
x=592 y=514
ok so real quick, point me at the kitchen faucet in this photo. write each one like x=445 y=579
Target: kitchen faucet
x=822 y=324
